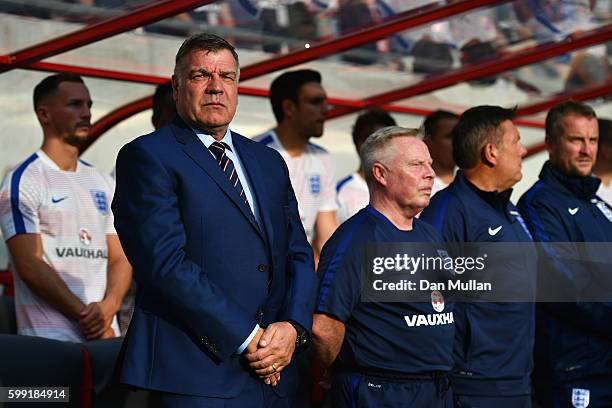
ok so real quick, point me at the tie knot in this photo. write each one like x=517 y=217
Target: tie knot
x=218 y=149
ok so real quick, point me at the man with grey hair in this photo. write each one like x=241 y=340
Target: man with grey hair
x=494 y=340
x=209 y=221
x=376 y=352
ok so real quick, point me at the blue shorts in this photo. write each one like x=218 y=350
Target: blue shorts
x=360 y=390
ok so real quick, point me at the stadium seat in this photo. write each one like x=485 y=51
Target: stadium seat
x=107 y=392
x=29 y=361
x=8 y=324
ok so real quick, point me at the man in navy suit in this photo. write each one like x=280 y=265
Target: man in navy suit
x=209 y=221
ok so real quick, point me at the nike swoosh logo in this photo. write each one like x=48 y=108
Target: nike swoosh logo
x=494 y=231
x=572 y=211
x=57 y=200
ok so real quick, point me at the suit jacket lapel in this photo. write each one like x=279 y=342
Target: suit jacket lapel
x=258 y=182
x=196 y=150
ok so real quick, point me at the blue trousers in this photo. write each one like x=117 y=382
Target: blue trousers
x=359 y=390
x=255 y=394
x=473 y=401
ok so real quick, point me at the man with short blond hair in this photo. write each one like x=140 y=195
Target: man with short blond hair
x=573 y=352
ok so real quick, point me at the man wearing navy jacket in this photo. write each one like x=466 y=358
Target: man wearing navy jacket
x=209 y=222
x=574 y=340
x=384 y=354
x=494 y=340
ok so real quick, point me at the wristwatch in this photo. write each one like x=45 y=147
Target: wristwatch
x=301 y=341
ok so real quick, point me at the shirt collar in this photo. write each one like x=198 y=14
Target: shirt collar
x=582 y=187
x=50 y=163
x=496 y=199
x=208 y=139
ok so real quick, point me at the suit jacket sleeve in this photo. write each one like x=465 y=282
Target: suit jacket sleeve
x=151 y=230
x=301 y=294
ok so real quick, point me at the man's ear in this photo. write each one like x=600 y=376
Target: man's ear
x=550 y=145
x=490 y=154
x=379 y=172
x=174 y=87
x=288 y=108
x=43 y=115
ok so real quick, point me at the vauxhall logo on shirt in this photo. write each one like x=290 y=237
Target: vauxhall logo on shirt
x=68 y=252
x=439 y=319
x=76 y=252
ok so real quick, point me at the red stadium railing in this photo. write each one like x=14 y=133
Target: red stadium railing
x=99 y=31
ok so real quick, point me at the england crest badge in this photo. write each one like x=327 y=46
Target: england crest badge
x=100 y=201
x=314 y=182
x=580 y=397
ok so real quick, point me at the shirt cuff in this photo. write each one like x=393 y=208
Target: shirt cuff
x=248 y=340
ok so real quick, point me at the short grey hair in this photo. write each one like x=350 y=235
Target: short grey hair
x=203 y=42
x=376 y=147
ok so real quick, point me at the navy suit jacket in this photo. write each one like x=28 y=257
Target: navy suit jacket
x=206 y=271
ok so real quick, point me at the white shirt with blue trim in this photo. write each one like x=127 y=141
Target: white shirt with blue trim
x=312 y=176
x=70 y=210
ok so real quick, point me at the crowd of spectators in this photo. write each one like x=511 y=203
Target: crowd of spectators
x=276 y=26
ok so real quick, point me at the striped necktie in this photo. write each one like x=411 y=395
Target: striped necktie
x=227 y=166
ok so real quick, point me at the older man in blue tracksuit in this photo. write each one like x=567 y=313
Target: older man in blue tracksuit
x=574 y=340
x=384 y=353
x=494 y=340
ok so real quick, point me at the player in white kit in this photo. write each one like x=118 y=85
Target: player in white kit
x=69 y=269
x=299 y=105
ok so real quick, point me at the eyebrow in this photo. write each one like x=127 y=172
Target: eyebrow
x=419 y=161
x=88 y=101
x=205 y=71
x=570 y=136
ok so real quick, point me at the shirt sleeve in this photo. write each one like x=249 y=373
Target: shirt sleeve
x=328 y=185
x=20 y=200
x=339 y=277
x=446 y=216
x=109 y=223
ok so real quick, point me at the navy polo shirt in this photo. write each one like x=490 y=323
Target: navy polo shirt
x=378 y=336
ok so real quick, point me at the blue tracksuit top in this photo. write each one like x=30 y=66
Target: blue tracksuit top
x=378 y=336
x=494 y=341
x=574 y=340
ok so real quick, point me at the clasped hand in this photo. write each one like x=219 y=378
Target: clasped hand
x=271 y=350
x=95 y=320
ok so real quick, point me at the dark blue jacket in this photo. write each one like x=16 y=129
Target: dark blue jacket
x=574 y=340
x=494 y=341
x=207 y=271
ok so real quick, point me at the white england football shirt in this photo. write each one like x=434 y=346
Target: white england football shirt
x=312 y=177
x=71 y=212
x=352 y=194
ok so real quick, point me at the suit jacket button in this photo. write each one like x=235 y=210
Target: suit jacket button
x=260 y=312
x=262 y=268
